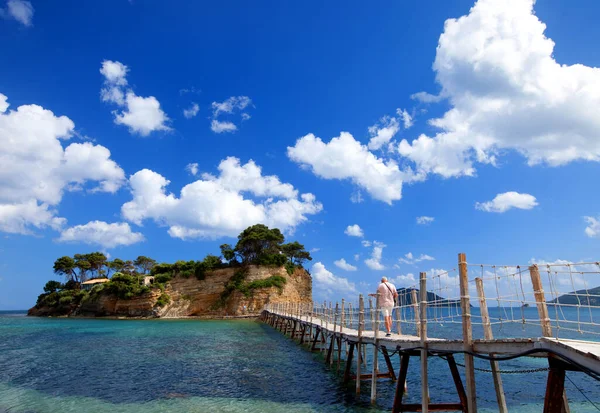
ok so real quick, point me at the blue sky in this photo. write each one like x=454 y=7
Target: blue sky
x=95 y=128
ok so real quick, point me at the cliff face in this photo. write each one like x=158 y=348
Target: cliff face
x=193 y=297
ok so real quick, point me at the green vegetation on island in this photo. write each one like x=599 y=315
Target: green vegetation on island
x=87 y=276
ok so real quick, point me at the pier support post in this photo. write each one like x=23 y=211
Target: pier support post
x=488 y=335
x=375 y=351
x=467 y=332
x=361 y=322
x=423 y=335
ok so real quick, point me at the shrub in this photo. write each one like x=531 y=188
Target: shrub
x=163 y=300
x=162 y=278
x=162 y=268
x=66 y=300
x=290 y=267
x=273 y=281
x=52 y=286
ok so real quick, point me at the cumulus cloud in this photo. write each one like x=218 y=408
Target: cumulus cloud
x=101 y=233
x=36 y=170
x=344 y=265
x=426 y=97
x=593 y=228
x=354 y=231
x=425 y=220
x=345 y=158
x=410 y=259
x=366 y=243
x=508 y=200
x=507 y=92
x=191 y=111
x=374 y=262
x=142 y=115
x=216 y=206
x=19 y=10
x=383 y=132
x=192 y=168
x=220 y=127
x=407 y=119
x=232 y=105
x=326 y=282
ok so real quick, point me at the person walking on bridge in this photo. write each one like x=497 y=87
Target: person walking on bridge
x=387 y=295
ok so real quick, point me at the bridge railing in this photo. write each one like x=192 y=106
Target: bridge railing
x=560 y=299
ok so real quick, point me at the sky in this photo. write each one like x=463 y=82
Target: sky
x=387 y=137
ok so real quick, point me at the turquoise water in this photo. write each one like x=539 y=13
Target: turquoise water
x=86 y=365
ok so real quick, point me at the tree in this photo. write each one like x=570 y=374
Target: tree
x=227 y=252
x=97 y=261
x=115 y=265
x=258 y=242
x=144 y=264
x=128 y=268
x=52 y=286
x=83 y=265
x=296 y=253
x=66 y=266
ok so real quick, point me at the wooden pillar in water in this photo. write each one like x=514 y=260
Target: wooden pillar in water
x=423 y=335
x=361 y=317
x=489 y=335
x=467 y=330
x=556 y=375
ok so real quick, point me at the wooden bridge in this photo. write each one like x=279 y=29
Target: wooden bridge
x=349 y=335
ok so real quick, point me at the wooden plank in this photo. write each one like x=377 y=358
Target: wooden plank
x=488 y=334
x=467 y=332
x=438 y=407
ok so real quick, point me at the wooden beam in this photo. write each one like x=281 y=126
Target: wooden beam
x=388 y=362
x=348 y=363
x=423 y=334
x=467 y=332
x=397 y=406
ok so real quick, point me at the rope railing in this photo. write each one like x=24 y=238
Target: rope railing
x=560 y=300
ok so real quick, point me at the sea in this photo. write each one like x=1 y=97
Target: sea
x=50 y=365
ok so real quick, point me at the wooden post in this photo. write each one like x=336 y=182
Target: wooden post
x=489 y=335
x=554 y=375
x=333 y=336
x=540 y=300
x=351 y=314
x=361 y=317
x=343 y=319
x=423 y=335
x=467 y=332
x=371 y=315
x=375 y=352
x=415 y=306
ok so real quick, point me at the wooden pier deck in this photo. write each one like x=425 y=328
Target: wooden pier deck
x=331 y=331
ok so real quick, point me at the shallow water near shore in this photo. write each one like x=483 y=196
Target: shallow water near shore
x=87 y=365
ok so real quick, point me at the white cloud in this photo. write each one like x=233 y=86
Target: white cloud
x=508 y=200
x=231 y=104
x=507 y=92
x=228 y=107
x=215 y=206
x=346 y=158
x=404 y=280
x=366 y=243
x=356 y=257
x=192 y=168
x=141 y=115
x=220 y=127
x=374 y=262
x=344 y=265
x=383 y=132
x=315 y=249
x=410 y=259
x=593 y=228
x=20 y=10
x=101 y=233
x=35 y=169
x=3 y=103
x=425 y=220
x=354 y=231
x=191 y=111
x=426 y=97
x=407 y=119
x=329 y=283
x=356 y=197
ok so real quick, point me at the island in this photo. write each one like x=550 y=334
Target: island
x=433 y=300
x=261 y=268
x=589 y=297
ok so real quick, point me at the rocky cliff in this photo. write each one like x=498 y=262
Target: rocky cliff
x=208 y=297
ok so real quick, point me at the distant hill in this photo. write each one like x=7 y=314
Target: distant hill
x=589 y=297
x=433 y=300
